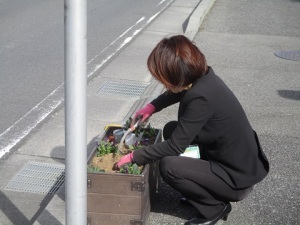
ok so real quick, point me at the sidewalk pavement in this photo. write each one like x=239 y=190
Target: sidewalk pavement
x=239 y=39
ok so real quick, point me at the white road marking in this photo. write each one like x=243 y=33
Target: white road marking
x=21 y=128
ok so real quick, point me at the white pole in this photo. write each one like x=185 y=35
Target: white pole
x=75 y=111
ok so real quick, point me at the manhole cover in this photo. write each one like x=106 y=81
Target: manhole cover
x=289 y=54
x=129 y=90
x=40 y=178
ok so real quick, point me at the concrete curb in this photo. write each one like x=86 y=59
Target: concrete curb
x=197 y=18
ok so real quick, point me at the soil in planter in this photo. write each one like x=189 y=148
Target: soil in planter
x=106 y=162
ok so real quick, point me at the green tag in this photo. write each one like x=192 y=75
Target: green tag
x=192 y=151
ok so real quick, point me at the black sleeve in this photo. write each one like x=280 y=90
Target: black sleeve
x=195 y=115
x=165 y=99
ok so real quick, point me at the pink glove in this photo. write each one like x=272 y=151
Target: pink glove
x=125 y=160
x=145 y=112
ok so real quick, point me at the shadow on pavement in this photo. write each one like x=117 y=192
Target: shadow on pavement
x=294 y=95
x=11 y=211
x=16 y=217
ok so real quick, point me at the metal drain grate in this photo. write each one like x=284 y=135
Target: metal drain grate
x=290 y=55
x=40 y=178
x=131 y=90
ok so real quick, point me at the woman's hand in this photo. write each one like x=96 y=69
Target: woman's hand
x=144 y=113
x=125 y=160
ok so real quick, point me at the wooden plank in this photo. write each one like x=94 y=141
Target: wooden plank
x=116 y=183
x=119 y=219
x=117 y=204
x=120 y=199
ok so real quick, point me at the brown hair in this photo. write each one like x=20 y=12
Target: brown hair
x=176 y=62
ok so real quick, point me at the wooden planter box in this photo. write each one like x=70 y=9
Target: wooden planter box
x=121 y=199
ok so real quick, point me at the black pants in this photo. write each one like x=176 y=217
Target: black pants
x=193 y=178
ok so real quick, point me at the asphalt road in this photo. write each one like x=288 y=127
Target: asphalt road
x=32 y=54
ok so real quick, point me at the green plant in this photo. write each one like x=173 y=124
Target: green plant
x=131 y=169
x=137 y=145
x=126 y=126
x=94 y=169
x=149 y=131
x=109 y=146
x=106 y=147
x=137 y=130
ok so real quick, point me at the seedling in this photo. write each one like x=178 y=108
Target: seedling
x=131 y=169
x=106 y=147
x=149 y=131
x=94 y=169
x=137 y=130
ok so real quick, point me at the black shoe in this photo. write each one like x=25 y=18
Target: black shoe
x=200 y=221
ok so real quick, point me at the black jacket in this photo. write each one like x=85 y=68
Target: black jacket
x=210 y=115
